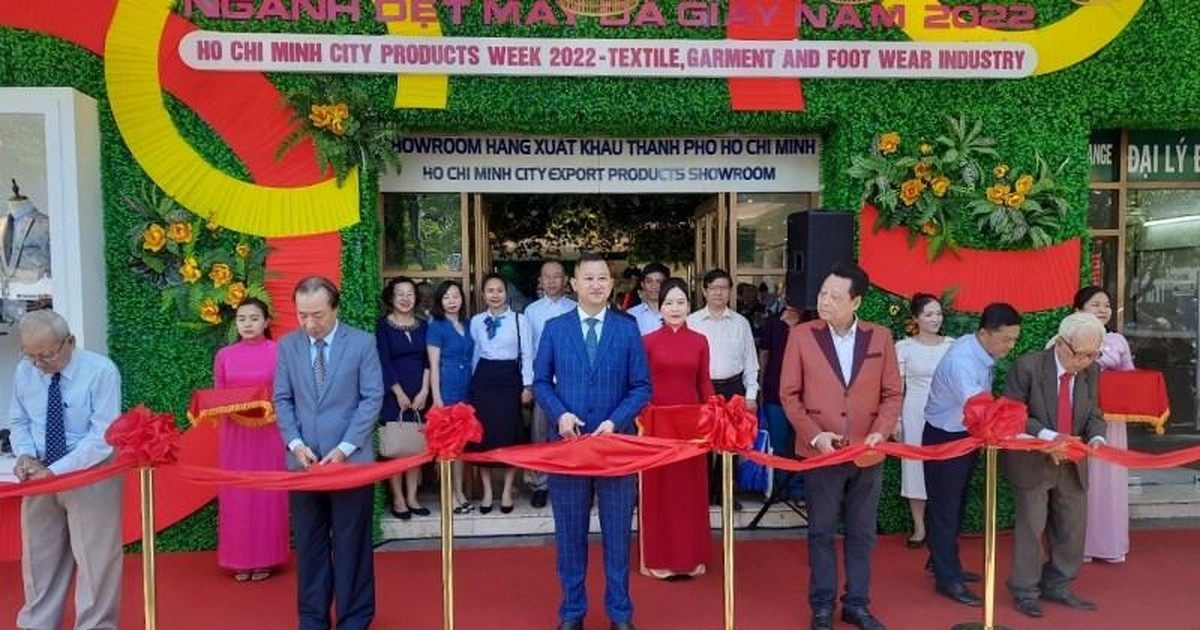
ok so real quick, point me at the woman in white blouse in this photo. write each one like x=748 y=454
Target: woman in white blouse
x=501 y=381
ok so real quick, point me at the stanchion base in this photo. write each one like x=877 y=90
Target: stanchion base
x=975 y=625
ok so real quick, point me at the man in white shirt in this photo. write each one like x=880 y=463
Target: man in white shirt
x=64 y=399
x=554 y=302
x=646 y=313
x=733 y=356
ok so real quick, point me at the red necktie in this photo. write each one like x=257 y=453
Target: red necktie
x=1065 y=412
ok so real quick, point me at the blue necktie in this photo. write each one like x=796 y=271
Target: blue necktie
x=591 y=341
x=56 y=431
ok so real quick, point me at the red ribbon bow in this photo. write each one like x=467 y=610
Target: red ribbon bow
x=448 y=429
x=728 y=425
x=146 y=437
x=992 y=419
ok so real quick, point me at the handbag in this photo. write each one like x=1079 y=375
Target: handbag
x=403 y=437
x=753 y=476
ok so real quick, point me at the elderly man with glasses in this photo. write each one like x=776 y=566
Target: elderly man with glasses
x=1059 y=387
x=64 y=399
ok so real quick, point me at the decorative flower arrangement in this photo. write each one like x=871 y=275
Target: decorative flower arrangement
x=346 y=129
x=204 y=271
x=1022 y=207
x=927 y=187
x=920 y=185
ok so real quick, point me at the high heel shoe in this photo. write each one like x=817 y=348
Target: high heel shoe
x=915 y=543
x=485 y=509
x=505 y=509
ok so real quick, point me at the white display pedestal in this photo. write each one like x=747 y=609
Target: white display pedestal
x=50 y=142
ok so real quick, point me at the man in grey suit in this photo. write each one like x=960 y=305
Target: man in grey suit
x=328 y=391
x=1059 y=387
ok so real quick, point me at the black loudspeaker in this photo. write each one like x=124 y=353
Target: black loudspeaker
x=816 y=240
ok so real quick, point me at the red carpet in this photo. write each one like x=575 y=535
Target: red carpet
x=515 y=589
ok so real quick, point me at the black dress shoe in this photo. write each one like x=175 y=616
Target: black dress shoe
x=967 y=576
x=539 y=499
x=861 y=617
x=959 y=593
x=420 y=511
x=1069 y=600
x=822 y=619
x=914 y=543
x=403 y=515
x=487 y=509
x=570 y=625
x=1029 y=608
x=621 y=625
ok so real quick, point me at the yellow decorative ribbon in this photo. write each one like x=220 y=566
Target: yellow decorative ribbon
x=135 y=93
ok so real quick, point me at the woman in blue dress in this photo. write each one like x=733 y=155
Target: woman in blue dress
x=450 y=350
x=400 y=340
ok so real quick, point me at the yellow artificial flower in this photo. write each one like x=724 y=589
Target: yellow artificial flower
x=929 y=228
x=1000 y=171
x=337 y=127
x=235 y=294
x=212 y=225
x=1014 y=200
x=923 y=170
x=180 y=232
x=242 y=250
x=911 y=190
x=894 y=310
x=210 y=311
x=997 y=193
x=320 y=116
x=341 y=110
x=154 y=238
x=889 y=142
x=1024 y=184
x=189 y=270
x=940 y=185
x=925 y=148
x=220 y=274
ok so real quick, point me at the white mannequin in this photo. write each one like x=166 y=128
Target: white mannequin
x=24 y=256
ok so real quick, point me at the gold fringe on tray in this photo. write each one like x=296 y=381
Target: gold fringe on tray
x=236 y=413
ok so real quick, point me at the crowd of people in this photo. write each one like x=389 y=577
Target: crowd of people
x=573 y=363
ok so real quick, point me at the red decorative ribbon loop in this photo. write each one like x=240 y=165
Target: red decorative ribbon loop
x=994 y=420
x=145 y=437
x=448 y=429
x=728 y=425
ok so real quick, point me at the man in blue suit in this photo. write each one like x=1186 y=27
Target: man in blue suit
x=591 y=377
x=328 y=391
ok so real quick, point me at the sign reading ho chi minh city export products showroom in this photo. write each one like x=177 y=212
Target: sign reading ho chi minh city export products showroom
x=498 y=164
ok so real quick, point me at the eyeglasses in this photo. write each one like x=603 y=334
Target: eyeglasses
x=1089 y=356
x=47 y=357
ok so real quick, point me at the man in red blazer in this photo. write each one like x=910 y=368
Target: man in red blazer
x=841 y=385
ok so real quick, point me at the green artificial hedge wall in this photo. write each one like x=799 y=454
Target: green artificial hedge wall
x=1145 y=79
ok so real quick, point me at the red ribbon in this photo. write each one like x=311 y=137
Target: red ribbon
x=728 y=425
x=994 y=420
x=144 y=437
x=448 y=429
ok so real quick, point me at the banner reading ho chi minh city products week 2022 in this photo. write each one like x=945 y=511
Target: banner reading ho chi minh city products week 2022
x=494 y=164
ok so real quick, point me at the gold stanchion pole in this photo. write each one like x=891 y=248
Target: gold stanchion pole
x=149 y=598
x=445 y=468
x=727 y=532
x=989 y=546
